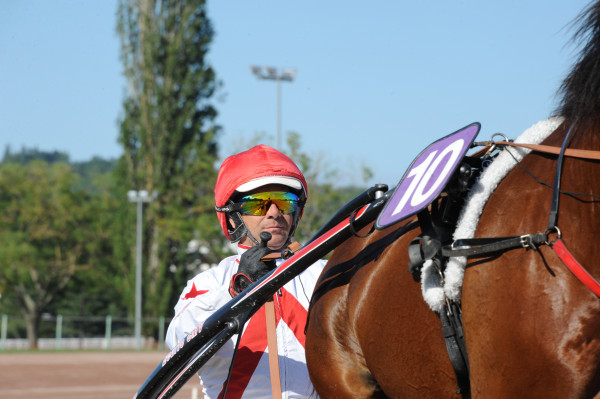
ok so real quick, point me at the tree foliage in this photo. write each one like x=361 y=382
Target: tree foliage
x=68 y=231
x=45 y=233
x=27 y=155
x=168 y=134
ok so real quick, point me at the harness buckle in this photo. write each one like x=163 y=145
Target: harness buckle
x=530 y=241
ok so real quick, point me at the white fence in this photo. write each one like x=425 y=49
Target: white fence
x=93 y=343
x=82 y=333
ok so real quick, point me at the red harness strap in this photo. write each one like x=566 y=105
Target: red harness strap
x=575 y=267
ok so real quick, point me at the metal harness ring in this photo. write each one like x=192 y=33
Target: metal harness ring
x=558 y=234
x=493 y=144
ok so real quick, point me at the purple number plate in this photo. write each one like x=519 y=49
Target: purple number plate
x=427 y=176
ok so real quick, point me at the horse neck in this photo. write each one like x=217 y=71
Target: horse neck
x=587 y=138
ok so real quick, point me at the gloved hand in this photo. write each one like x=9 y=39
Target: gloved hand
x=251 y=268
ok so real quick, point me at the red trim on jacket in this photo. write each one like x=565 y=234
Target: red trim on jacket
x=254 y=341
x=252 y=347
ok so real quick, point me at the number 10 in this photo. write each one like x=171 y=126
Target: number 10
x=423 y=172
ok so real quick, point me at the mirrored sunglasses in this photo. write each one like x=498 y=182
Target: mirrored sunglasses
x=258 y=204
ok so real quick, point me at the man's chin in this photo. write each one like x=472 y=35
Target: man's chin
x=277 y=242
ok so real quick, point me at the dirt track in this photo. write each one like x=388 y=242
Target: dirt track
x=84 y=375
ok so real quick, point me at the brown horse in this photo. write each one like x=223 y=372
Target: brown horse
x=532 y=329
x=370 y=334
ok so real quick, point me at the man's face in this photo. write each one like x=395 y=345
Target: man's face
x=273 y=222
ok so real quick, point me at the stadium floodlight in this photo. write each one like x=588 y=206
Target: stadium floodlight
x=270 y=73
x=288 y=74
x=256 y=70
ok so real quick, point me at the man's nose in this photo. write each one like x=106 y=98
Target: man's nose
x=273 y=210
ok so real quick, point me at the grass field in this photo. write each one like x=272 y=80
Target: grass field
x=84 y=375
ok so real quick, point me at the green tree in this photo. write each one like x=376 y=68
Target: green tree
x=45 y=235
x=96 y=174
x=169 y=136
x=325 y=197
x=102 y=287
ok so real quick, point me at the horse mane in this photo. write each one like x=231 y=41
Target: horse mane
x=581 y=88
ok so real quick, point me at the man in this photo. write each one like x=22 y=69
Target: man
x=257 y=191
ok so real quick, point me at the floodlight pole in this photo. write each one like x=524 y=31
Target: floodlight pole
x=269 y=73
x=139 y=197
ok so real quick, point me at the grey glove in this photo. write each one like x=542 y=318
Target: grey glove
x=251 y=268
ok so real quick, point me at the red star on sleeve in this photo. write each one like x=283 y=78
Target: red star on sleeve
x=194 y=292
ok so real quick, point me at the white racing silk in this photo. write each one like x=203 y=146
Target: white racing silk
x=207 y=292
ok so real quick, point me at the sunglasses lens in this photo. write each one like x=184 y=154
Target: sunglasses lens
x=259 y=204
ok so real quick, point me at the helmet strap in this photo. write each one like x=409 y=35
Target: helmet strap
x=295 y=222
x=240 y=229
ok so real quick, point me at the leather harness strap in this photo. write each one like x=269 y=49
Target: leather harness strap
x=575 y=267
x=454 y=337
x=569 y=152
x=558 y=246
x=286 y=253
x=272 y=346
x=487 y=246
x=272 y=325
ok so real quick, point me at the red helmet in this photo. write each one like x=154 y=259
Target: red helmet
x=256 y=167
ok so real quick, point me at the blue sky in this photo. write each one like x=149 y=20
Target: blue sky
x=376 y=81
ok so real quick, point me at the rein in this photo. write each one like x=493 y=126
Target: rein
x=548 y=149
x=285 y=254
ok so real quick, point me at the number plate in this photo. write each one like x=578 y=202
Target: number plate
x=427 y=176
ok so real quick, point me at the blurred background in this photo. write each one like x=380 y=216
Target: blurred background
x=115 y=116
